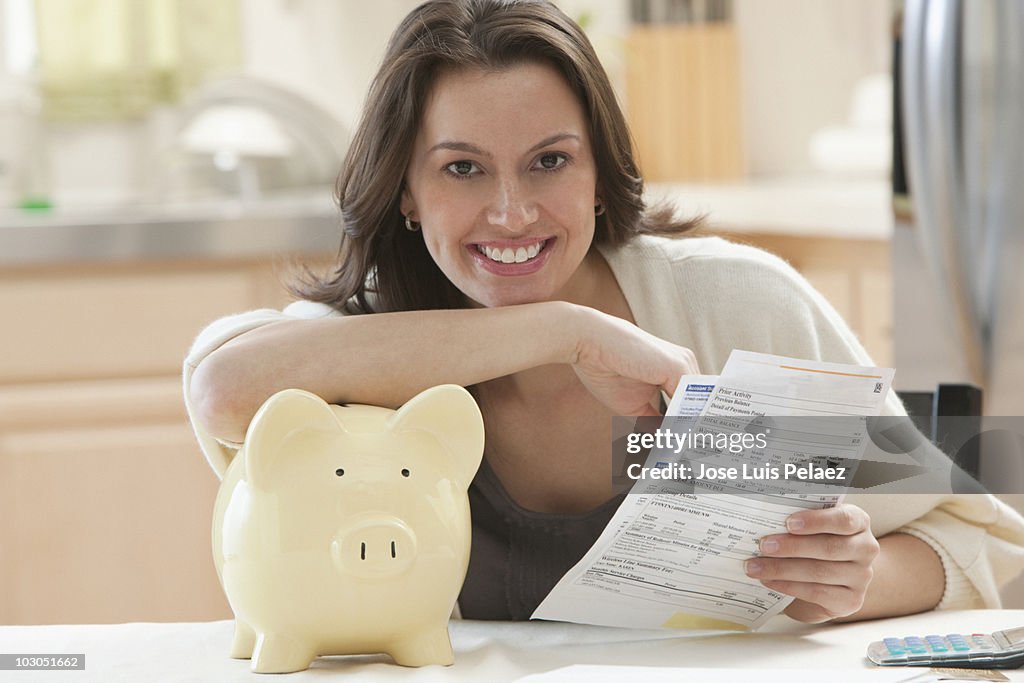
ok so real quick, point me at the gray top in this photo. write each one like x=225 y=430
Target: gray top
x=519 y=555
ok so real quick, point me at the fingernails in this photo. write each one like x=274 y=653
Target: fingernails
x=794 y=524
x=768 y=546
x=753 y=567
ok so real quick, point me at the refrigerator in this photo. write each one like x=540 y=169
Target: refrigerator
x=958 y=240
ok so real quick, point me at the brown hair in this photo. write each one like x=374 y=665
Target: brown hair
x=378 y=256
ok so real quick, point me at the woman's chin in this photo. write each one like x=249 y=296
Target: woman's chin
x=493 y=299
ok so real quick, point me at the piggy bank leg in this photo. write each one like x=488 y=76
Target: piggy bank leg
x=243 y=642
x=277 y=654
x=429 y=646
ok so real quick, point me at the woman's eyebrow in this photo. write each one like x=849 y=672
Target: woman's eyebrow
x=557 y=137
x=459 y=147
x=473 y=149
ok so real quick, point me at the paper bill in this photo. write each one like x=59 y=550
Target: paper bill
x=672 y=556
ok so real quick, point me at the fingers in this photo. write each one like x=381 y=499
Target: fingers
x=862 y=547
x=687 y=366
x=819 y=572
x=845 y=520
x=689 y=359
x=825 y=562
x=824 y=601
x=823 y=590
x=812 y=613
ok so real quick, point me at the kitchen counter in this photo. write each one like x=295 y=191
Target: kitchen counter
x=221 y=229
x=813 y=206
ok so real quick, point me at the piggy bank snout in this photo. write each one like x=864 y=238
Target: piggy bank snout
x=374 y=548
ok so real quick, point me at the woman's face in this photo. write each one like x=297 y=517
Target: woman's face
x=502 y=179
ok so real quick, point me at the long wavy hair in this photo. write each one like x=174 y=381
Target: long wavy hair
x=384 y=267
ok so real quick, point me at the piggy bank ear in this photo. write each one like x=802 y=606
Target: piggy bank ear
x=450 y=414
x=280 y=417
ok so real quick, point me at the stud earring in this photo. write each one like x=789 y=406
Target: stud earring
x=410 y=225
x=599 y=208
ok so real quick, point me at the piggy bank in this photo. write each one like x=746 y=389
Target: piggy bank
x=346 y=529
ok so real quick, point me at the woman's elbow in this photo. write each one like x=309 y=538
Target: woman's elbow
x=216 y=402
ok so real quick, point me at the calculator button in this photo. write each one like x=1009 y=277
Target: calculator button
x=984 y=642
x=887 y=653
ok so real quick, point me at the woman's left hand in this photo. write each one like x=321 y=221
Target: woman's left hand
x=824 y=562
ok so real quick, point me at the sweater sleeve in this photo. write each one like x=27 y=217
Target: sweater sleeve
x=980 y=540
x=219 y=453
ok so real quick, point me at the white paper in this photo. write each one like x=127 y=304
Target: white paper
x=669 y=559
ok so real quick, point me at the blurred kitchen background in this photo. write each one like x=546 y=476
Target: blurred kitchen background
x=164 y=163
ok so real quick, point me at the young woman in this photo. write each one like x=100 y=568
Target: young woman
x=496 y=237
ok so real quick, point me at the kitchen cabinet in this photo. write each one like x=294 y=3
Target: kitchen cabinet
x=105 y=499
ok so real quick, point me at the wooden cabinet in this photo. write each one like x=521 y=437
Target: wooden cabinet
x=683 y=101
x=105 y=499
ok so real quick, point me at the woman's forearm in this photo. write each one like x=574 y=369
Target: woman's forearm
x=908 y=578
x=381 y=359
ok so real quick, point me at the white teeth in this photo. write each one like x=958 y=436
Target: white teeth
x=509 y=255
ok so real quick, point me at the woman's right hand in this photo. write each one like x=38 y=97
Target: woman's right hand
x=625 y=367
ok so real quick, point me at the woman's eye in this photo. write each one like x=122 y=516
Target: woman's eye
x=462 y=169
x=552 y=161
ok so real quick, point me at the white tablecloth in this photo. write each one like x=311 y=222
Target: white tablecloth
x=492 y=652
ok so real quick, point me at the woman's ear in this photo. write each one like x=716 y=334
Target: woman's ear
x=407 y=205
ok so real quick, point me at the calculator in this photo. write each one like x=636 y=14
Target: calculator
x=999 y=650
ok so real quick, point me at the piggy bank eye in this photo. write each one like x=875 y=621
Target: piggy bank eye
x=406 y=473
x=340 y=472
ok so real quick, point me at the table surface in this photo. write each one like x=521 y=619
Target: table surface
x=505 y=651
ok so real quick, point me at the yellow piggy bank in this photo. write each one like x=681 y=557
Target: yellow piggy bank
x=346 y=529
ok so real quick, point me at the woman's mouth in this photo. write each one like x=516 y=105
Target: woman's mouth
x=520 y=254
x=521 y=257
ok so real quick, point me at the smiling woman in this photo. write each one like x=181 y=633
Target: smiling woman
x=479 y=86
x=496 y=237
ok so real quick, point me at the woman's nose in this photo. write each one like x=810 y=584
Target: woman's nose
x=511 y=208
